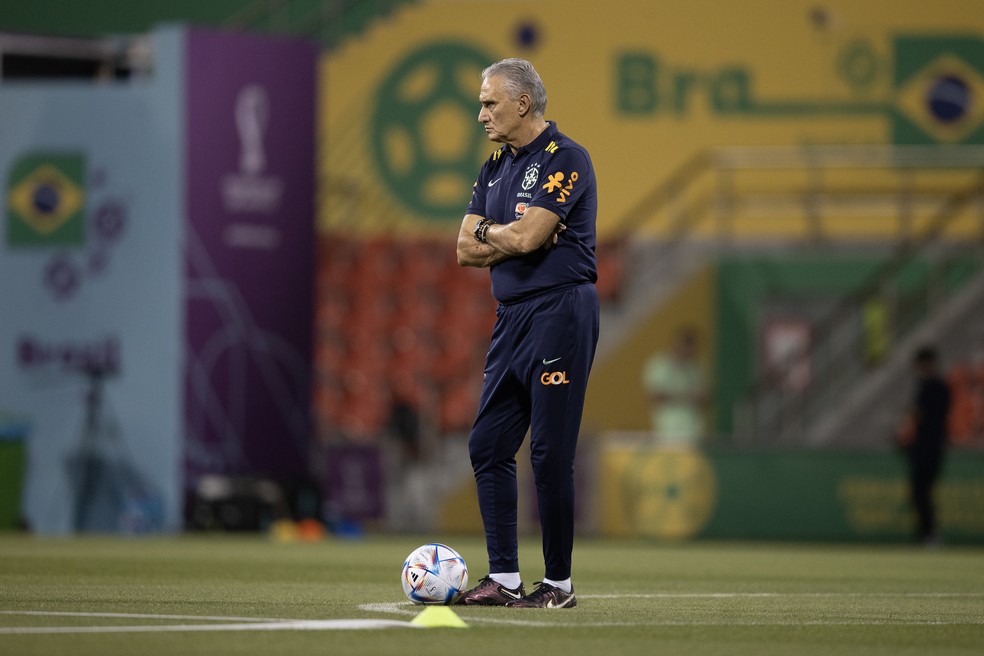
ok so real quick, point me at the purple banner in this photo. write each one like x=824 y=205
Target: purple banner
x=249 y=253
x=354 y=475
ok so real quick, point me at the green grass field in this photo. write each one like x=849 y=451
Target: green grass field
x=231 y=595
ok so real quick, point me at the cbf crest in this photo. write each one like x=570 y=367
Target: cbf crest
x=531 y=176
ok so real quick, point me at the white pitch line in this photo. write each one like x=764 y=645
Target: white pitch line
x=142 y=616
x=280 y=625
x=408 y=608
x=394 y=608
x=780 y=595
x=405 y=608
x=225 y=623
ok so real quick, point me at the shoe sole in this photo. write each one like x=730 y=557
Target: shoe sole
x=482 y=603
x=570 y=603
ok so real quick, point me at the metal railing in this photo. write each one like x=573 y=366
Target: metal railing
x=709 y=192
x=927 y=201
x=858 y=332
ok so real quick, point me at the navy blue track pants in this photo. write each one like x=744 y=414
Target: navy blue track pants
x=536 y=374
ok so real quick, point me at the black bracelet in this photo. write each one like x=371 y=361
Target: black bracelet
x=482 y=229
x=484 y=232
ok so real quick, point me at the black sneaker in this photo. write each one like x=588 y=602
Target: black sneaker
x=545 y=595
x=490 y=593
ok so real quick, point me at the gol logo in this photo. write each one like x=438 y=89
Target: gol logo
x=554 y=378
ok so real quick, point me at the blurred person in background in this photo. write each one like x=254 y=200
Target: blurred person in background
x=677 y=391
x=923 y=439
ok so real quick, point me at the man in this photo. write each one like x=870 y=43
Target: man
x=930 y=412
x=531 y=220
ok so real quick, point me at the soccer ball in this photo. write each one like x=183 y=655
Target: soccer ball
x=434 y=574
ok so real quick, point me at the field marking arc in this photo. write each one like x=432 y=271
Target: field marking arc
x=410 y=609
x=213 y=623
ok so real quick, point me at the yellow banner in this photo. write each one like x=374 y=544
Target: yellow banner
x=643 y=85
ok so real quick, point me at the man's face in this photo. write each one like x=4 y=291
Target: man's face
x=500 y=114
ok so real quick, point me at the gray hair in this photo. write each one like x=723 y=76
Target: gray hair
x=519 y=77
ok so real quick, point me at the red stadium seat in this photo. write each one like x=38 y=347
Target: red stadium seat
x=459 y=400
x=389 y=313
x=611 y=270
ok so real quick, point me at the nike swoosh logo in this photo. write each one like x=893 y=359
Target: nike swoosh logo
x=546 y=361
x=492 y=184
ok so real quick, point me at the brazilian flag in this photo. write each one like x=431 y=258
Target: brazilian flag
x=46 y=200
x=939 y=84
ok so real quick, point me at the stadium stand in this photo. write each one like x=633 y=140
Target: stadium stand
x=393 y=318
x=967 y=411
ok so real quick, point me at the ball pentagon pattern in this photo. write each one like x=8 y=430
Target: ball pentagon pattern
x=434 y=574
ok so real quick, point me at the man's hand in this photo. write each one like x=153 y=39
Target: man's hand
x=539 y=228
x=552 y=239
x=472 y=252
